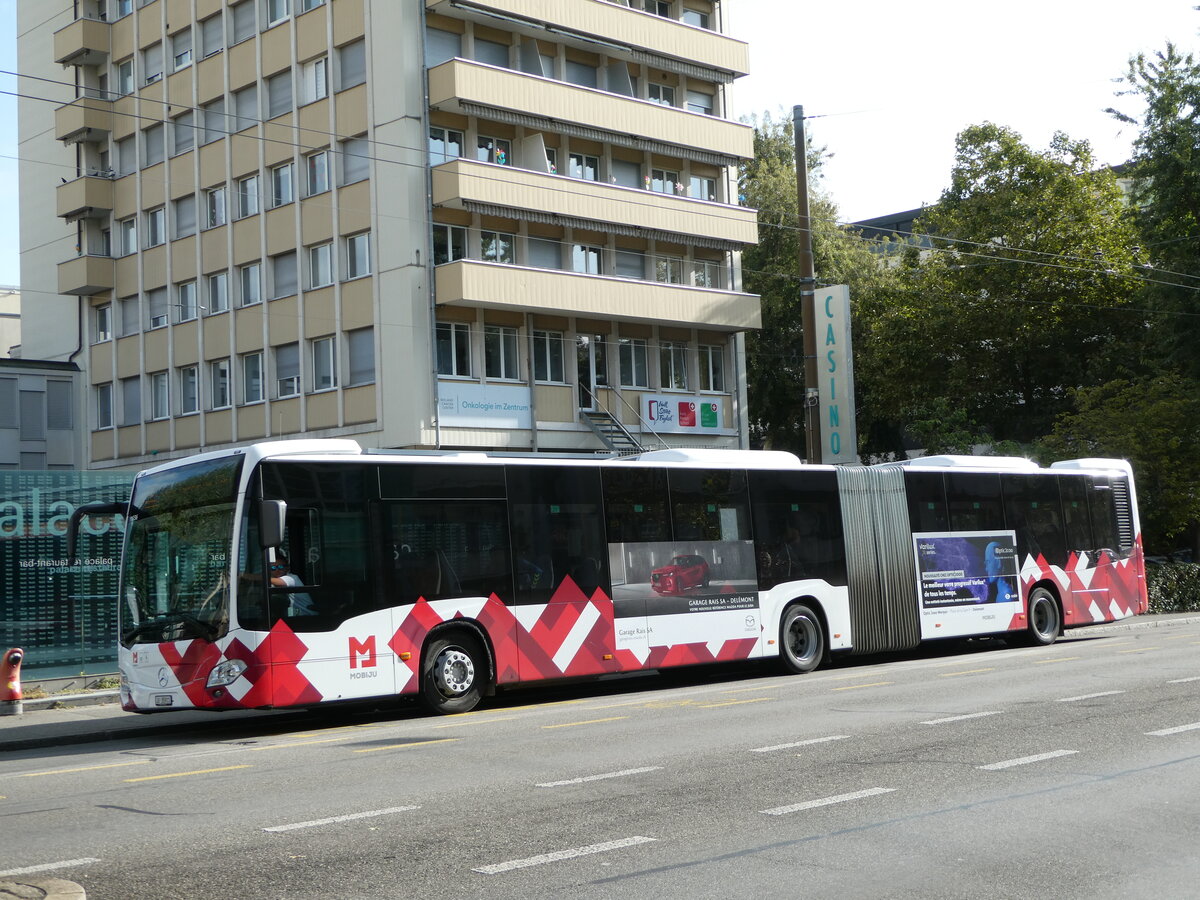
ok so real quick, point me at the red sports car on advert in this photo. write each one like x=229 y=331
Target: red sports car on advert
x=683 y=573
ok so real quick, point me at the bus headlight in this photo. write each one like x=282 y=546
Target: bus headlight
x=226 y=672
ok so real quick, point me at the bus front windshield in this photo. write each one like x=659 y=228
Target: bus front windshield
x=175 y=569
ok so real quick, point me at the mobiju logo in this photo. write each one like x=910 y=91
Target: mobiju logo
x=362 y=653
x=35 y=516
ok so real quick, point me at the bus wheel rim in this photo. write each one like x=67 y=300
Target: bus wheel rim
x=455 y=671
x=800 y=639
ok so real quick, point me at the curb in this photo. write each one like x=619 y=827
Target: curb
x=91 y=698
x=41 y=889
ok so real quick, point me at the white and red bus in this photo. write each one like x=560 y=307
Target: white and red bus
x=449 y=575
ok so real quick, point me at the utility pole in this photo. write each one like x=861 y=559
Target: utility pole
x=808 y=282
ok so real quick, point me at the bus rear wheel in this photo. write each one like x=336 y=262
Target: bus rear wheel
x=801 y=640
x=1045 y=621
x=453 y=673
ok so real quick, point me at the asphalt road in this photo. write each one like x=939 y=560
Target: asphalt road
x=1069 y=771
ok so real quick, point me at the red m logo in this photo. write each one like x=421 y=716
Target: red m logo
x=362 y=653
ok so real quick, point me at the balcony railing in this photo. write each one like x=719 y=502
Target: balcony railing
x=84 y=119
x=87 y=197
x=86 y=275
x=85 y=42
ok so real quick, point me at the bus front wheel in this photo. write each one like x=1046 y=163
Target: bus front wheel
x=801 y=640
x=1045 y=622
x=454 y=673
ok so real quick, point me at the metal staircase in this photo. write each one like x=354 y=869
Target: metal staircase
x=611 y=432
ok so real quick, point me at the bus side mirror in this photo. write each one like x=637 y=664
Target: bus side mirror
x=98 y=508
x=272 y=514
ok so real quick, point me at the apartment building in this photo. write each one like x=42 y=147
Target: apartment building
x=507 y=224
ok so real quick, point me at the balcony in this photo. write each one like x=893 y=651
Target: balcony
x=86 y=275
x=87 y=197
x=85 y=42
x=474 y=283
x=471 y=88
x=83 y=119
x=463 y=184
x=595 y=22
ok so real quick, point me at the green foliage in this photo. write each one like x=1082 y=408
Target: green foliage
x=1174 y=587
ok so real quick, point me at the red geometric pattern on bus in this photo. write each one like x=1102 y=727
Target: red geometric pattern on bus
x=693 y=654
x=1121 y=579
x=191 y=666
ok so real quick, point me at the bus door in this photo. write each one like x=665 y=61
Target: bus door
x=1083 y=506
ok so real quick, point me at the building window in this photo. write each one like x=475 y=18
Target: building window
x=358 y=255
x=127 y=236
x=500 y=352
x=633 y=356
x=629 y=264
x=277 y=11
x=548 y=356
x=156 y=307
x=316 y=167
x=124 y=8
x=250 y=282
x=279 y=94
x=189 y=390
x=491 y=52
x=218 y=384
x=252 y=386
x=126 y=153
x=214 y=207
x=496 y=246
x=664 y=181
x=444 y=144
x=101 y=323
x=585 y=167
x=694 y=18
x=124 y=79
x=153 y=143
x=287 y=370
x=212 y=39
x=184 y=216
x=242 y=23
x=579 y=73
x=706 y=273
x=181 y=49
x=493 y=150
x=662 y=94
x=356 y=160
x=668 y=269
x=152 y=64
x=185 y=301
x=245 y=108
x=284 y=282
x=712 y=367
x=306 y=5
x=131 y=400
x=320 y=266
x=659 y=8
x=672 y=366
x=703 y=188
x=131 y=322
x=160 y=407
x=324 y=364
x=313 y=84
x=543 y=253
x=218 y=292
x=454 y=349
x=700 y=102
x=360 y=353
x=281 y=185
x=247 y=196
x=104 y=406
x=213 y=121
x=352 y=65
x=585 y=260
x=449 y=243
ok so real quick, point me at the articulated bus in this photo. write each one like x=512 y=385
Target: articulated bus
x=449 y=575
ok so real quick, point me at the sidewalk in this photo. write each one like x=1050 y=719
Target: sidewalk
x=41 y=727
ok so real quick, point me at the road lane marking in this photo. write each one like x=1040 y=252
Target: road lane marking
x=587 y=722
x=348 y=817
x=795 y=744
x=964 y=672
x=140 y=762
x=1176 y=730
x=1088 y=696
x=185 y=774
x=765 y=687
x=735 y=702
x=1185 y=680
x=1026 y=760
x=964 y=717
x=406 y=744
x=1046 y=662
x=332 y=740
x=855 y=687
x=585 y=778
x=847 y=677
x=1139 y=650
x=50 y=867
x=478 y=722
x=558 y=855
x=825 y=801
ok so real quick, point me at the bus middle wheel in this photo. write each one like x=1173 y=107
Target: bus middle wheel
x=801 y=640
x=454 y=672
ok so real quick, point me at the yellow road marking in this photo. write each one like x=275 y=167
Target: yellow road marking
x=185 y=774
x=736 y=702
x=1045 y=662
x=964 y=672
x=588 y=722
x=140 y=762
x=406 y=745
x=278 y=746
x=478 y=722
x=855 y=687
x=848 y=677
x=1139 y=650
x=765 y=687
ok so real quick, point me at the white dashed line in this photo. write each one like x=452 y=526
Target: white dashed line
x=1185 y=680
x=559 y=855
x=825 y=801
x=49 y=867
x=792 y=746
x=1176 y=730
x=548 y=784
x=1026 y=760
x=332 y=820
x=962 y=718
x=1088 y=696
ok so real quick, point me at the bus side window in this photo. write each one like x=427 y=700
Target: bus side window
x=926 y=501
x=974 y=501
x=1076 y=518
x=1033 y=510
x=1104 y=516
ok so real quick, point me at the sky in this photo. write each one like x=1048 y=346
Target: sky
x=887 y=85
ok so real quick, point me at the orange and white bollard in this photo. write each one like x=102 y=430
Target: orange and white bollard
x=10 y=683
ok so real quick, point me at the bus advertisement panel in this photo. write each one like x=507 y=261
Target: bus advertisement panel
x=967 y=582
